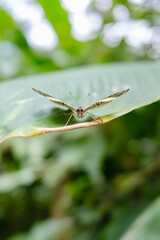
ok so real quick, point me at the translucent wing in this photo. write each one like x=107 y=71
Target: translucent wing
x=106 y=100
x=55 y=100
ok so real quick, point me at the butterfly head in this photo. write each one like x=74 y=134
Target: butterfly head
x=80 y=112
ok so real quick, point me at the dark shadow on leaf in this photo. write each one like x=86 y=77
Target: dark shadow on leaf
x=55 y=118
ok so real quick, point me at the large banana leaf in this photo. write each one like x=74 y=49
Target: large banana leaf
x=25 y=113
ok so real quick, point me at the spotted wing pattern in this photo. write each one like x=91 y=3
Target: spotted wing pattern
x=106 y=100
x=55 y=100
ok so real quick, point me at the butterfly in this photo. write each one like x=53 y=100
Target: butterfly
x=81 y=112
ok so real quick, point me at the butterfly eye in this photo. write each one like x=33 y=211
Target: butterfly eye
x=77 y=109
x=81 y=110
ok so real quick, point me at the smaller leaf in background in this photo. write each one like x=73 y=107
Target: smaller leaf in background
x=146 y=227
x=58 y=17
x=47 y=230
x=122 y=218
x=10 y=181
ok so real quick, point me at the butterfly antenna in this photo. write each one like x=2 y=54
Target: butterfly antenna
x=74 y=98
x=85 y=99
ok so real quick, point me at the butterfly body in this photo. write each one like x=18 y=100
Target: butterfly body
x=81 y=112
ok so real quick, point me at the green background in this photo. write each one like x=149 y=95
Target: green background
x=100 y=183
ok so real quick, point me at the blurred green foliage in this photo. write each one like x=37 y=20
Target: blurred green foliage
x=88 y=184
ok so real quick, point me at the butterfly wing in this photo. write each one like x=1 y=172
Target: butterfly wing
x=106 y=100
x=55 y=100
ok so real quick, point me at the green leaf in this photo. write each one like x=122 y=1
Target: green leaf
x=47 y=230
x=10 y=30
x=25 y=113
x=58 y=17
x=14 y=43
x=146 y=227
x=10 y=181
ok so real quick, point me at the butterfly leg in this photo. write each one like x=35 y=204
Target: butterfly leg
x=69 y=119
x=92 y=116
